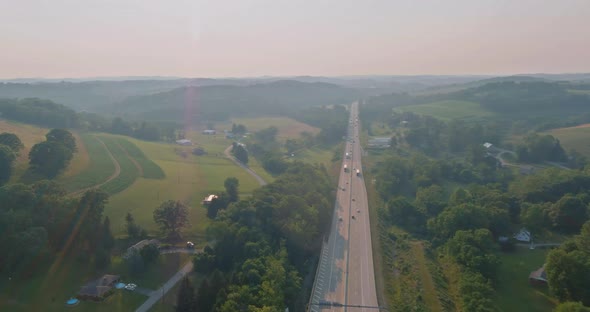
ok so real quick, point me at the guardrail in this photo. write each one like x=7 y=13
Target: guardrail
x=313 y=288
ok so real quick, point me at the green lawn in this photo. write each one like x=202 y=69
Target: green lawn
x=514 y=293
x=577 y=138
x=447 y=110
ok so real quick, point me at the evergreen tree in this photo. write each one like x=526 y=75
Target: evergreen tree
x=186 y=300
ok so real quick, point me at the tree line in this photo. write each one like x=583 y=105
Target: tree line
x=49 y=114
x=38 y=222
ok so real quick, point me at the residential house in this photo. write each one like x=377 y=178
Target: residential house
x=98 y=289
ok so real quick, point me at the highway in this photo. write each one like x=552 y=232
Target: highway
x=345 y=279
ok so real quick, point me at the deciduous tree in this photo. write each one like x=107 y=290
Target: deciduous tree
x=172 y=216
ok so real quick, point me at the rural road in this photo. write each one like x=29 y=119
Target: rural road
x=113 y=176
x=345 y=279
x=253 y=173
x=157 y=294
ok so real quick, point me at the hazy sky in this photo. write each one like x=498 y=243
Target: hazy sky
x=214 y=38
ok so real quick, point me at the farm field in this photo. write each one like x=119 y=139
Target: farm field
x=188 y=178
x=29 y=135
x=577 y=138
x=513 y=292
x=447 y=110
x=288 y=127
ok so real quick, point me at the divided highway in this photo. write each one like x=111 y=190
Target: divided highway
x=345 y=279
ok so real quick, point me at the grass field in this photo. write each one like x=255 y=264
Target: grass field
x=447 y=110
x=288 y=127
x=577 y=138
x=29 y=135
x=514 y=293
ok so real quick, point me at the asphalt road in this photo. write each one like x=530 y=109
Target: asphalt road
x=345 y=277
x=157 y=294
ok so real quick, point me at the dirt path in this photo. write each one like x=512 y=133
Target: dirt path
x=112 y=177
x=239 y=163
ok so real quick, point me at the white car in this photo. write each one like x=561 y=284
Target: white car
x=130 y=286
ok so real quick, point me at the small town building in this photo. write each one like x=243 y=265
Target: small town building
x=209 y=132
x=523 y=236
x=487 y=145
x=538 y=277
x=209 y=199
x=98 y=289
x=185 y=142
x=382 y=142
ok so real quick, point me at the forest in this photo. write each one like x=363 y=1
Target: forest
x=440 y=184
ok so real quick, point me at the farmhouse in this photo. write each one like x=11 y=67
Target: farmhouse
x=98 y=289
x=538 y=277
x=209 y=131
x=184 y=142
x=523 y=236
x=209 y=199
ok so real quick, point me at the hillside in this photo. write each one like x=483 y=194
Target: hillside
x=221 y=102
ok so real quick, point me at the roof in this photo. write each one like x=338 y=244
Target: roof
x=98 y=287
x=210 y=197
x=143 y=243
x=487 y=145
x=183 y=141
x=523 y=236
x=539 y=274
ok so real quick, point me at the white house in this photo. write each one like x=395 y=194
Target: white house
x=523 y=236
x=185 y=142
x=209 y=199
x=209 y=131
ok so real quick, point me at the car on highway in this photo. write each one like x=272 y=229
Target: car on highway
x=358 y=210
x=353 y=199
x=354 y=217
x=339 y=218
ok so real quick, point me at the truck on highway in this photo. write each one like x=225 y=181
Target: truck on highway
x=345 y=168
x=358 y=173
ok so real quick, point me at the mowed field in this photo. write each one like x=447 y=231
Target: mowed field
x=447 y=110
x=577 y=138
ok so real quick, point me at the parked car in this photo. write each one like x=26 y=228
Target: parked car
x=190 y=245
x=130 y=286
